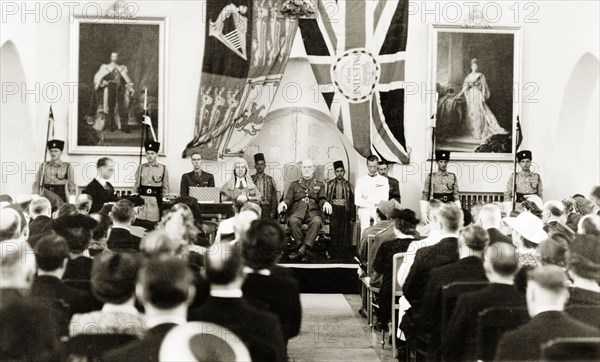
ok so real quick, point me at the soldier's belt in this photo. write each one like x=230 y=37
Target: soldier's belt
x=338 y=202
x=307 y=199
x=150 y=190
x=449 y=197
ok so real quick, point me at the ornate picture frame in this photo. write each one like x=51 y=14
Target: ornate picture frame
x=476 y=74
x=119 y=66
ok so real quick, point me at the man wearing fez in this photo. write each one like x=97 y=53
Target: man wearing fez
x=444 y=185
x=383 y=170
x=304 y=200
x=266 y=186
x=528 y=183
x=341 y=197
x=196 y=178
x=151 y=182
x=57 y=178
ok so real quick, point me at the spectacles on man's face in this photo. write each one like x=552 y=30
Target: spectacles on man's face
x=196 y=159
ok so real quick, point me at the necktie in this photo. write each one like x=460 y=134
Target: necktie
x=240 y=186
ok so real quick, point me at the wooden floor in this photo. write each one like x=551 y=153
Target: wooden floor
x=332 y=330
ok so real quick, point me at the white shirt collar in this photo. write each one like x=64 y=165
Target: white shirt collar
x=102 y=181
x=242 y=180
x=152 y=322
x=230 y=293
x=265 y=272
x=123 y=308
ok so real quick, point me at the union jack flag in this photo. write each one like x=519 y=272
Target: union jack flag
x=357 y=50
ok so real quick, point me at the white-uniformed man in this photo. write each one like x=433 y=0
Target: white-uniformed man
x=370 y=190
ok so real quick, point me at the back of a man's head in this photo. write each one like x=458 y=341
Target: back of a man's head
x=76 y=229
x=547 y=287
x=242 y=223
x=554 y=208
x=51 y=252
x=40 y=206
x=122 y=212
x=501 y=259
x=83 y=203
x=263 y=245
x=10 y=224
x=490 y=216
x=583 y=257
x=223 y=263
x=589 y=225
x=165 y=282
x=450 y=217
x=17 y=264
x=474 y=237
x=433 y=208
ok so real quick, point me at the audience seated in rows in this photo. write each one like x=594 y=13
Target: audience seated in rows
x=383 y=221
x=165 y=289
x=260 y=330
x=113 y=280
x=501 y=264
x=547 y=294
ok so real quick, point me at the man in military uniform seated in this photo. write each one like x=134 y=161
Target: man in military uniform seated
x=441 y=185
x=197 y=177
x=56 y=177
x=528 y=183
x=304 y=202
x=152 y=183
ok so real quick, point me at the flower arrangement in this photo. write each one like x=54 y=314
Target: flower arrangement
x=297 y=8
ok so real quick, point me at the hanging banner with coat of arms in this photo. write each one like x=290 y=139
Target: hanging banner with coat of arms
x=246 y=48
x=356 y=49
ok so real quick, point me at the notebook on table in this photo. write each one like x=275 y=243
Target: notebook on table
x=206 y=194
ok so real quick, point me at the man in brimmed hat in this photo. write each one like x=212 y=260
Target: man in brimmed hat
x=341 y=197
x=151 y=182
x=266 y=186
x=547 y=294
x=528 y=183
x=442 y=184
x=57 y=177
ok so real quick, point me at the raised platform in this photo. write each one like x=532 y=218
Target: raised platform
x=326 y=278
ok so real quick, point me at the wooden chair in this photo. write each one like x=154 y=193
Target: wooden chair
x=450 y=294
x=572 y=349
x=396 y=294
x=588 y=314
x=491 y=324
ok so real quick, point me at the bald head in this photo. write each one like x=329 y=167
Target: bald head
x=17 y=266
x=40 y=206
x=10 y=224
x=490 y=216
x=547 y=289
x=501 y=261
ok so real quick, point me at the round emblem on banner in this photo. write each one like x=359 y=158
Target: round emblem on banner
x=356 y=74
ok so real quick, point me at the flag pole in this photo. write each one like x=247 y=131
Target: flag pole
x=143 y=133
x=432 y=154
x=43 y=173
x=517 y=144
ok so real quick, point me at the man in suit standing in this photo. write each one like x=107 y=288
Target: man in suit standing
x=444 y=252
x=489 y=218
x=370 y=190
x=258 y=329
x=305 y=201
x=120 y=237
x=196 y=177
x=165 y=288
x=266 y=186
x=383 y=170
x=472 y=241
x=99 y=188
x=501 y=263
x=547 y=293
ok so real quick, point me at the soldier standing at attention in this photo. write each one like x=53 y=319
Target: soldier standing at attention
x=443 y=184
x=528 y=183
x=151 y=182
x=55 y=175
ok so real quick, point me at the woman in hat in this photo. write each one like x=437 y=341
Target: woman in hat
x=54 y=180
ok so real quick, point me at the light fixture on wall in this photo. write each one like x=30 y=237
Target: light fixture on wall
x=122 y=9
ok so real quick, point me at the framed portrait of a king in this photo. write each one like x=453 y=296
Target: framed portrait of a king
x=119 y=68
x=476 y=74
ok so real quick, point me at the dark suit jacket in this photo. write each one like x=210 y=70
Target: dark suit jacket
x=259 y=330
x=279 y=295
x=394 y=189
x=100 y=195
x=146 y=349
x=580 y=296
x=426 y=259
x=384 y=261
x=496 y=236
x=524 y=342
x=38 y=227
x=10 y=295
x=461 y=335
x=79 y=268
x=191 y=179
x=121 y=239
x=51 y=288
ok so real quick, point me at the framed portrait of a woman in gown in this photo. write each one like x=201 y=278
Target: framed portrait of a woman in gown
x=119 y=68
x=476 y=74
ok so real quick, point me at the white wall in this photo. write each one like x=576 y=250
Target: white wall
x=560 y=123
